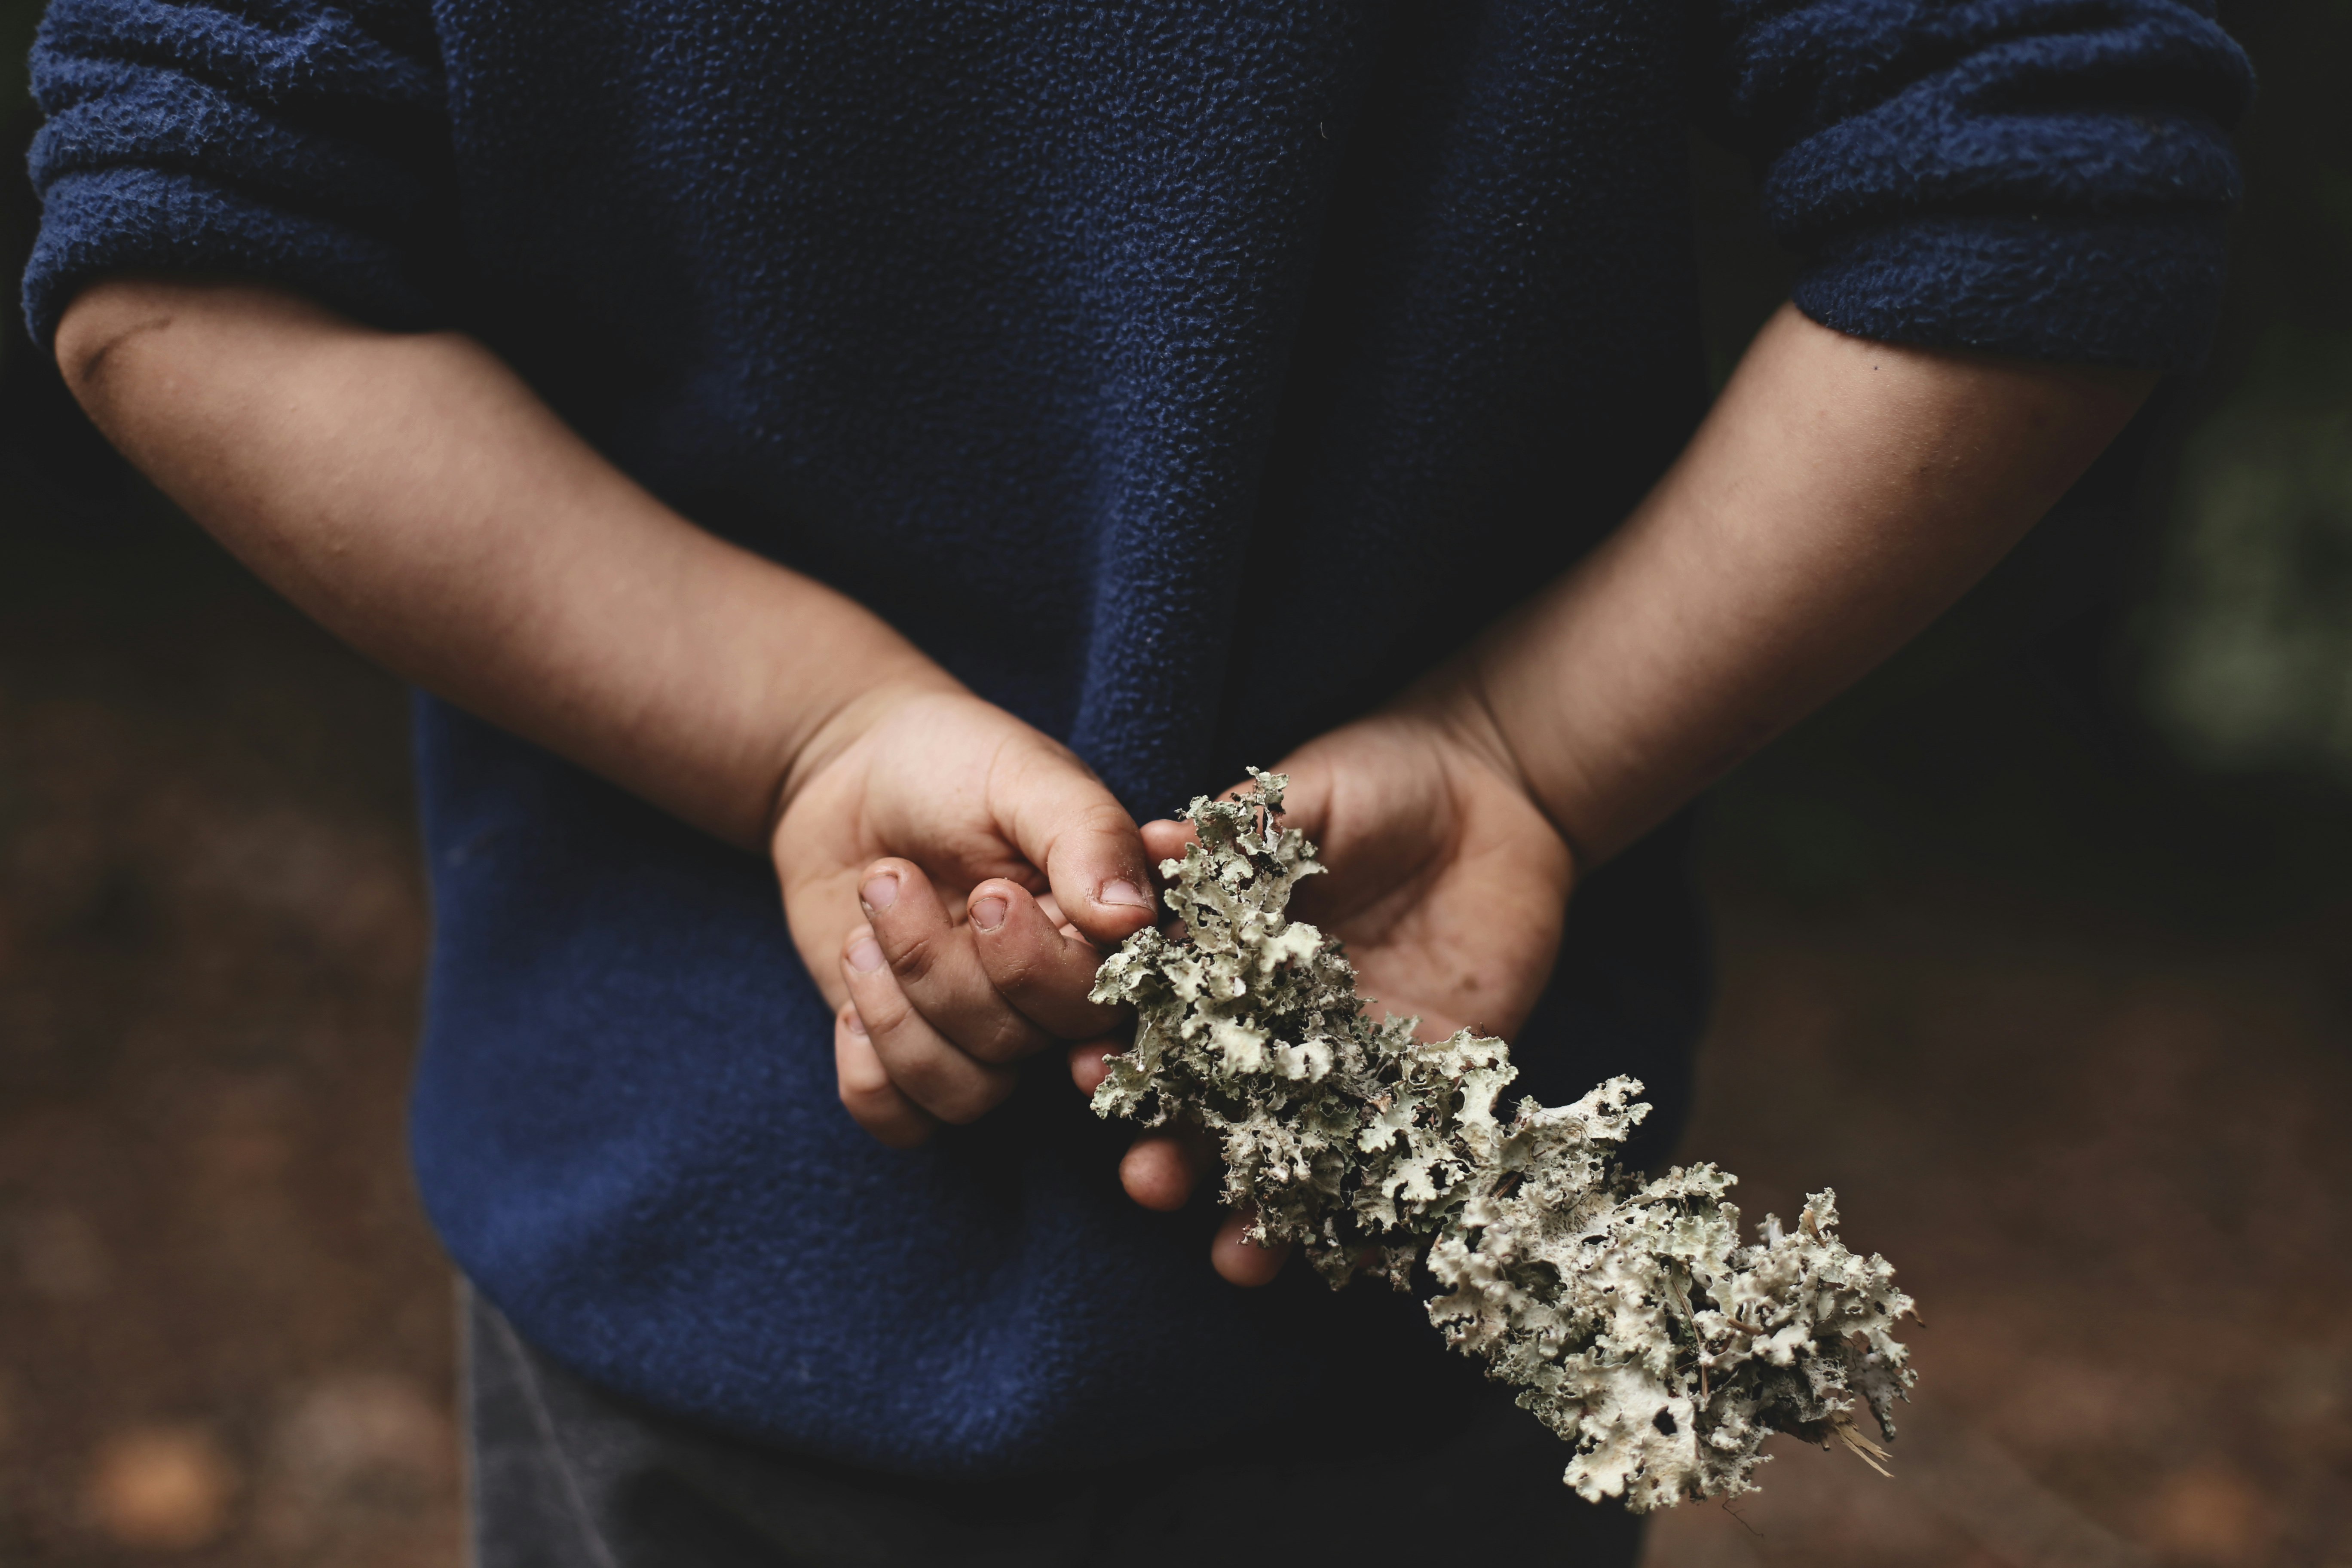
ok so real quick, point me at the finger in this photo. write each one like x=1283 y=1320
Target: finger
x=872 y=1100
x=938 y=971
x=1160 y=1171
x=1044 y=971
x=1240 y=1262
x=1067 y=825
x=921 y=1061
x=1090 y=1064
x=1166 y=839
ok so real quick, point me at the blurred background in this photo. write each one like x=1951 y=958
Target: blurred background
x=2037 y=946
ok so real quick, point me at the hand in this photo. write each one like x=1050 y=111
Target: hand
x=949 y=874
x=1448 y=885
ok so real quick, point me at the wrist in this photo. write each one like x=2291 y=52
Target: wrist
x=1457 y=701
x=908 y=675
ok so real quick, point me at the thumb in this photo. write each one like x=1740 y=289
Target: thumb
x=1067 y=824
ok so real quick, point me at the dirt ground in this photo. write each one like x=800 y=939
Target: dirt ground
x=225 y=1330
x=2110 y=1157
x=2111 y=1165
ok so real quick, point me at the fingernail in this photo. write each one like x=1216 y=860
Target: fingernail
x=1122 y=891
x=850 y=1020
x=865 y=955
x=989 y=913
x=879 y=892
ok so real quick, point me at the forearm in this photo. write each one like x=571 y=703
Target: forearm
x=1841 y=494
x=413 y=495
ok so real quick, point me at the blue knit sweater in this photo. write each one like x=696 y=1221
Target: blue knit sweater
x=1062 y=335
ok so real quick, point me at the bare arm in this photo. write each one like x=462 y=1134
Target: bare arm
x=417 y=499
x=1839 y=497
x=414 y=496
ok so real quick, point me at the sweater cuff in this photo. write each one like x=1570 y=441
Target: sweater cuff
x=128 y=217
x=2133 y=291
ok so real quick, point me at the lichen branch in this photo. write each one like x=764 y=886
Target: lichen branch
x=1627 y=1313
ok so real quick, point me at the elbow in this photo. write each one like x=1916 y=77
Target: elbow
x=101 y=323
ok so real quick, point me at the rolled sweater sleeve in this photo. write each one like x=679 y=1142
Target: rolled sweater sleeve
x=298 y=142
x=2047 y=178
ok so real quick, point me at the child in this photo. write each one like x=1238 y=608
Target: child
x=884 y=452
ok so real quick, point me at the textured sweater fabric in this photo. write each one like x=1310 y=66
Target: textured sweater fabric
x=1070 y=338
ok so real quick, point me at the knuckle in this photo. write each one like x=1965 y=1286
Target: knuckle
x=926 y=1076
x=915 y=961
x=970 y=1102
x=958 y=1114
x=862 y=1075
x=880 y=1003
x=1014 y=965
x=1040 y=963
x=1006 y=1038
x=1103 y=814
x=870 y=1109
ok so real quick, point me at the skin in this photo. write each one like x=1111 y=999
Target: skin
x=951 y=875
x=1839 y=496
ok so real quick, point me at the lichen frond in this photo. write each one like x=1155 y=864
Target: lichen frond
x=1628 y=1314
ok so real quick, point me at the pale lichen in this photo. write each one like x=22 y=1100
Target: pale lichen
x=1628 y=1314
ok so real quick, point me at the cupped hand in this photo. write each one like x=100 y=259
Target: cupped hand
x=948 y=875
x=1447 y=884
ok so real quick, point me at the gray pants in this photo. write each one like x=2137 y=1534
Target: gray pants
x=567 y=1476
